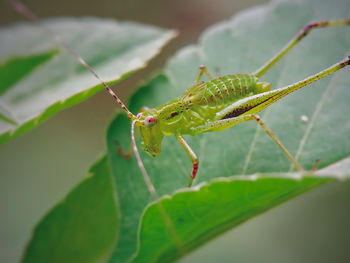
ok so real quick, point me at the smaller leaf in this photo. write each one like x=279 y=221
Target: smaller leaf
x=83 y=227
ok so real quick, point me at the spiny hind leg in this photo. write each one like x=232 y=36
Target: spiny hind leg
x=192 y=156
x=302 y=33
x=203 y=69
x=227 y=123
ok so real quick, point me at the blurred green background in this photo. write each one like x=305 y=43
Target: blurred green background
x=37 y=172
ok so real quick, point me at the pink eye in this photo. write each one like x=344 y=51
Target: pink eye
x=150 y=121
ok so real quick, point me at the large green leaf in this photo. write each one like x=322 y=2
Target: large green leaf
x=239 y=45
x=39 y=78
x=81 y=228
x=200 y=214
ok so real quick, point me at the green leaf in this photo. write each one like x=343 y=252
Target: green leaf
x=39 y=78
x=82 y=227
x=15 y=69
x=202 y=213
x=239 y=45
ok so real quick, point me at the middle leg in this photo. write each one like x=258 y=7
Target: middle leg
x=192 y=156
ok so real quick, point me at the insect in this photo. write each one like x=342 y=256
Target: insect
x=215 y=105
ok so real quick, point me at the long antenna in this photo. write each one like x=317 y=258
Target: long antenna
x=23 y=10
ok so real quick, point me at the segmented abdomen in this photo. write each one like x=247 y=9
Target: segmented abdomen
x=229 y=88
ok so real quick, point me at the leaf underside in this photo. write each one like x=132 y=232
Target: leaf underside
x=40 y=78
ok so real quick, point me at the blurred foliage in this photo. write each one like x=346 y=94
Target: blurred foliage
x=81 y=228
x=58 y=81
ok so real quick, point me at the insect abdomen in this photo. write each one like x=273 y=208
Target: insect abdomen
x=230 y=88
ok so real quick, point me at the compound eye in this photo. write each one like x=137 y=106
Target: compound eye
x=150 y=121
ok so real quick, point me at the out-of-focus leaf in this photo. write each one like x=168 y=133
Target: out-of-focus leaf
x=81 y=228
x=16 y=68
x=39 y=78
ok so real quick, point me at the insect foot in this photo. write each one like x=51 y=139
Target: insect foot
x=120 y=150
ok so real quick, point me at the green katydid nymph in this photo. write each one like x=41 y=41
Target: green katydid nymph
x=214 y=105
x=222 y=102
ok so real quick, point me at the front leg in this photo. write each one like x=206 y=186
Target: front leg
x=192 y=156
x=123 y=153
